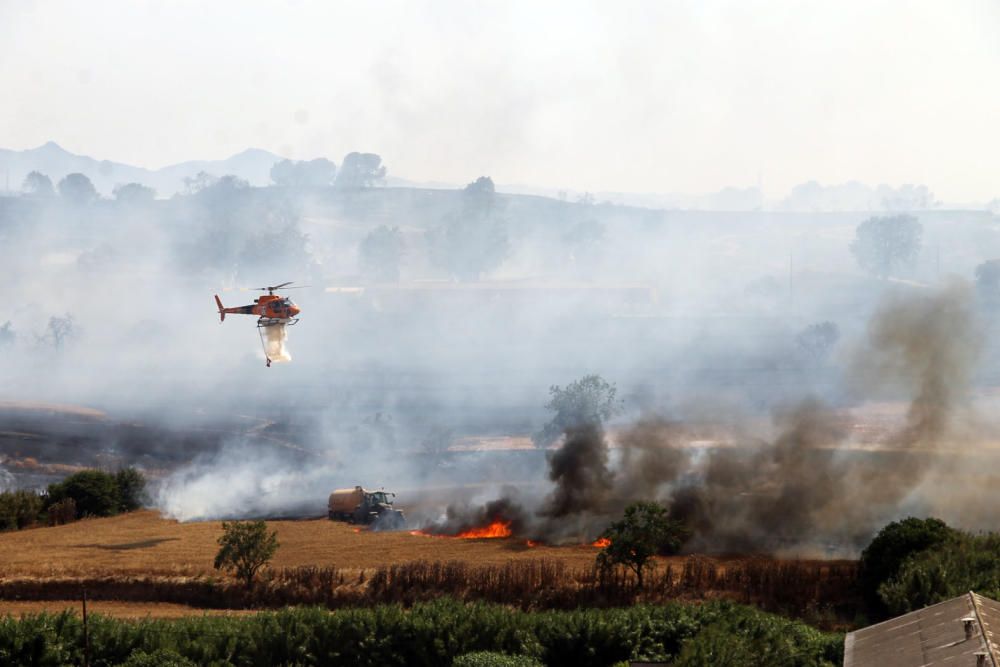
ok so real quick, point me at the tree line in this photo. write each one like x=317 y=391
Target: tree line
x=88 y=493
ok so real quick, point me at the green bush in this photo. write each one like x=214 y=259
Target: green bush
x=19 y=509
x=99 y=493
x=882 y=558
x=95 y=492
x=749 y=638
x=434 y=633
x=494 y=659
x=944 y=571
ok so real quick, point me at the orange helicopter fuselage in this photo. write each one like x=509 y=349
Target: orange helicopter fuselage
x=268 y=307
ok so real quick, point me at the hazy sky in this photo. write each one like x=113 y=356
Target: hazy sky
x=660 y=97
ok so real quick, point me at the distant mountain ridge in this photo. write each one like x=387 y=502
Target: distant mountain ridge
x=253 y=165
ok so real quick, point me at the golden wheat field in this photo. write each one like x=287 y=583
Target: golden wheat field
x=145 y=543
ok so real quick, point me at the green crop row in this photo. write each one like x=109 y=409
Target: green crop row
x=433 y=633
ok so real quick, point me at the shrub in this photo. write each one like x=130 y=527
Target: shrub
x=19 y=509
x=494 y=659
x=882 y=558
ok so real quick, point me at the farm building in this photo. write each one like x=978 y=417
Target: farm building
x=957 y=633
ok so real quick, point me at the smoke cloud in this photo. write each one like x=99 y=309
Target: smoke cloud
x=812 y=485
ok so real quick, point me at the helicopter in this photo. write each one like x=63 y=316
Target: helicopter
x=272 y=310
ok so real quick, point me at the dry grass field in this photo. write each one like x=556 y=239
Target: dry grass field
x=141 y=564
x=134 y=610
x=144 y=543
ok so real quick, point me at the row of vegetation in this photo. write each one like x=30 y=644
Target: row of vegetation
x=434 y=633
x=83 y=494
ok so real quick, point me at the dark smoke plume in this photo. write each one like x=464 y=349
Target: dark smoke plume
x=579 y=470
x=809 y=486
x=460 y=519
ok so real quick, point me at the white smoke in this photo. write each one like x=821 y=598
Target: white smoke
x=6 y=481
x=274 y=338
x=245 y=481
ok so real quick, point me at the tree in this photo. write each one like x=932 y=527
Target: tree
x=131 y=489
x=38 y=184
x=380 y=252
x=816 y=340
x=481 y=187
x=360 y=170
x=245 y=547
x=589 y=400
x=944 y=570
x=885 y=245
x=988 y=280
x=19 y=509
x=94 y=492
x=474 y=240
x=316 y=173
x=77 y=189
x=897 y=541
x=134 y=193
x=59 y=331
x=198 y=182
x=7 y=335
x=645 y=531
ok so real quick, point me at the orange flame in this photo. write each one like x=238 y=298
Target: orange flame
x=495 y=529
x=531 y=544
x=601 y=543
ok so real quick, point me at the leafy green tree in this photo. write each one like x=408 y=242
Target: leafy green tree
x=38 y=184
x=244 y=548
x=380 y=253
x=77 y=189
x=944 y=570
x=131 y=489
x=897 y=541
x=885 y=245
x=134 y=193
x=645 y=531
x=94 y=492
x=589 y=400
